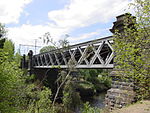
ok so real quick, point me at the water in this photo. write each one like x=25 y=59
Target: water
x=96 y=101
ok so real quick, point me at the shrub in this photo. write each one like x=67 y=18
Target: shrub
x=71 y=98
x=88 y=109
x=10 y=83
x=37 y=100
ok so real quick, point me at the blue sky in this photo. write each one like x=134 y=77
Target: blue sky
x=83 y=20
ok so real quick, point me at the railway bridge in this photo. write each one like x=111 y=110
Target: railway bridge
x=97 y=53
x=92 y=54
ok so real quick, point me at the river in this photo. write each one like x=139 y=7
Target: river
x=98 y=100
x=95 y=101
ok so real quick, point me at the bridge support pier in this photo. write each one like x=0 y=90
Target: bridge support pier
x=121 y=92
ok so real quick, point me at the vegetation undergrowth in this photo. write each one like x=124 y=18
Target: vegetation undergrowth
x=19 y=94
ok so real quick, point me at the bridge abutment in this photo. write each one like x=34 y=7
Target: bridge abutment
x=122 y=90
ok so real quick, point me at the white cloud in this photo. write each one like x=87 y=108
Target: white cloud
x=10 y=10
x=88 y=36
x=81 y=13
x=76 y=14
x=27 y=33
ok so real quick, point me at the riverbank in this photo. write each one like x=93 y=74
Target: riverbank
x=139 y=107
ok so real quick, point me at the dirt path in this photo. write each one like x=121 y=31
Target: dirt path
x=140 y=107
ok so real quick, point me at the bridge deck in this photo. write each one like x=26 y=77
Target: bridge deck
x=92 y=54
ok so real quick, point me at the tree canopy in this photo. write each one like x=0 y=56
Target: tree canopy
x=2 y=35
x=132 y=49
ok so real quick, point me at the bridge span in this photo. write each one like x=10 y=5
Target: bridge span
x=97 y=53
x=91 y=54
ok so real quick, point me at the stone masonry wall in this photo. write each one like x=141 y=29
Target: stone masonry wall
x=119 y=95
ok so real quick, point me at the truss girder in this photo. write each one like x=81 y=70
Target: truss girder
x=93 y=54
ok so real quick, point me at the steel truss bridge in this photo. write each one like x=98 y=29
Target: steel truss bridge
x=92 y=54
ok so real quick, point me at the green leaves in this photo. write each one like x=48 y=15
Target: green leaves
x=2 y=35
x=47 y=48
x=17 y=94
x=88 y=109
x=10 y=83
x=9 y=49
x=38 y=101
x=132 y=49
x=71 y=98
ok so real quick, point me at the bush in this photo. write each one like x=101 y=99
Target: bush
x=37 y=100
x=88 y=109
x=85 y=88
x=71 y=98
x=18 y=93
x=105 y=80
x=100 y=83
x=10 y=84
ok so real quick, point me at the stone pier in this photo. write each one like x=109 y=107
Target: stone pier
x=121 y=92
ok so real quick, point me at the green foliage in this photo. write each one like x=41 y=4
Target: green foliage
x=46 y=49
x=142 y=9
x=85 y=88
x=88 y=109
x=62 y=43
x=99 y=78
x=17 y=93
x=105 y=80
x=10 y=82
x=2 y=42
x=132 y=49
x=37 y=100
x=85 y=85
x=2 y=35
x=9 y=49
x=88 y=74
x=102 y=83
x=17 y=58
x=71 y=98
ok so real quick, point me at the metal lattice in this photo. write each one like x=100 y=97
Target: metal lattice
x=92 y=54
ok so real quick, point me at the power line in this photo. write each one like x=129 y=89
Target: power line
x=24 y=48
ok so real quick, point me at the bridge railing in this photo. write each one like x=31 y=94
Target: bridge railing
x=91 y=54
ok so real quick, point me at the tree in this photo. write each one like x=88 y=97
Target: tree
x=132 y=49
x=10 y=83
x=62 y=43
x=17 y=95
x=47 y=48
x=10 y=74
x=2 y=35
x=9 y=48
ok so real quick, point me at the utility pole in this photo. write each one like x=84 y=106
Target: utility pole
x=33 y=46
